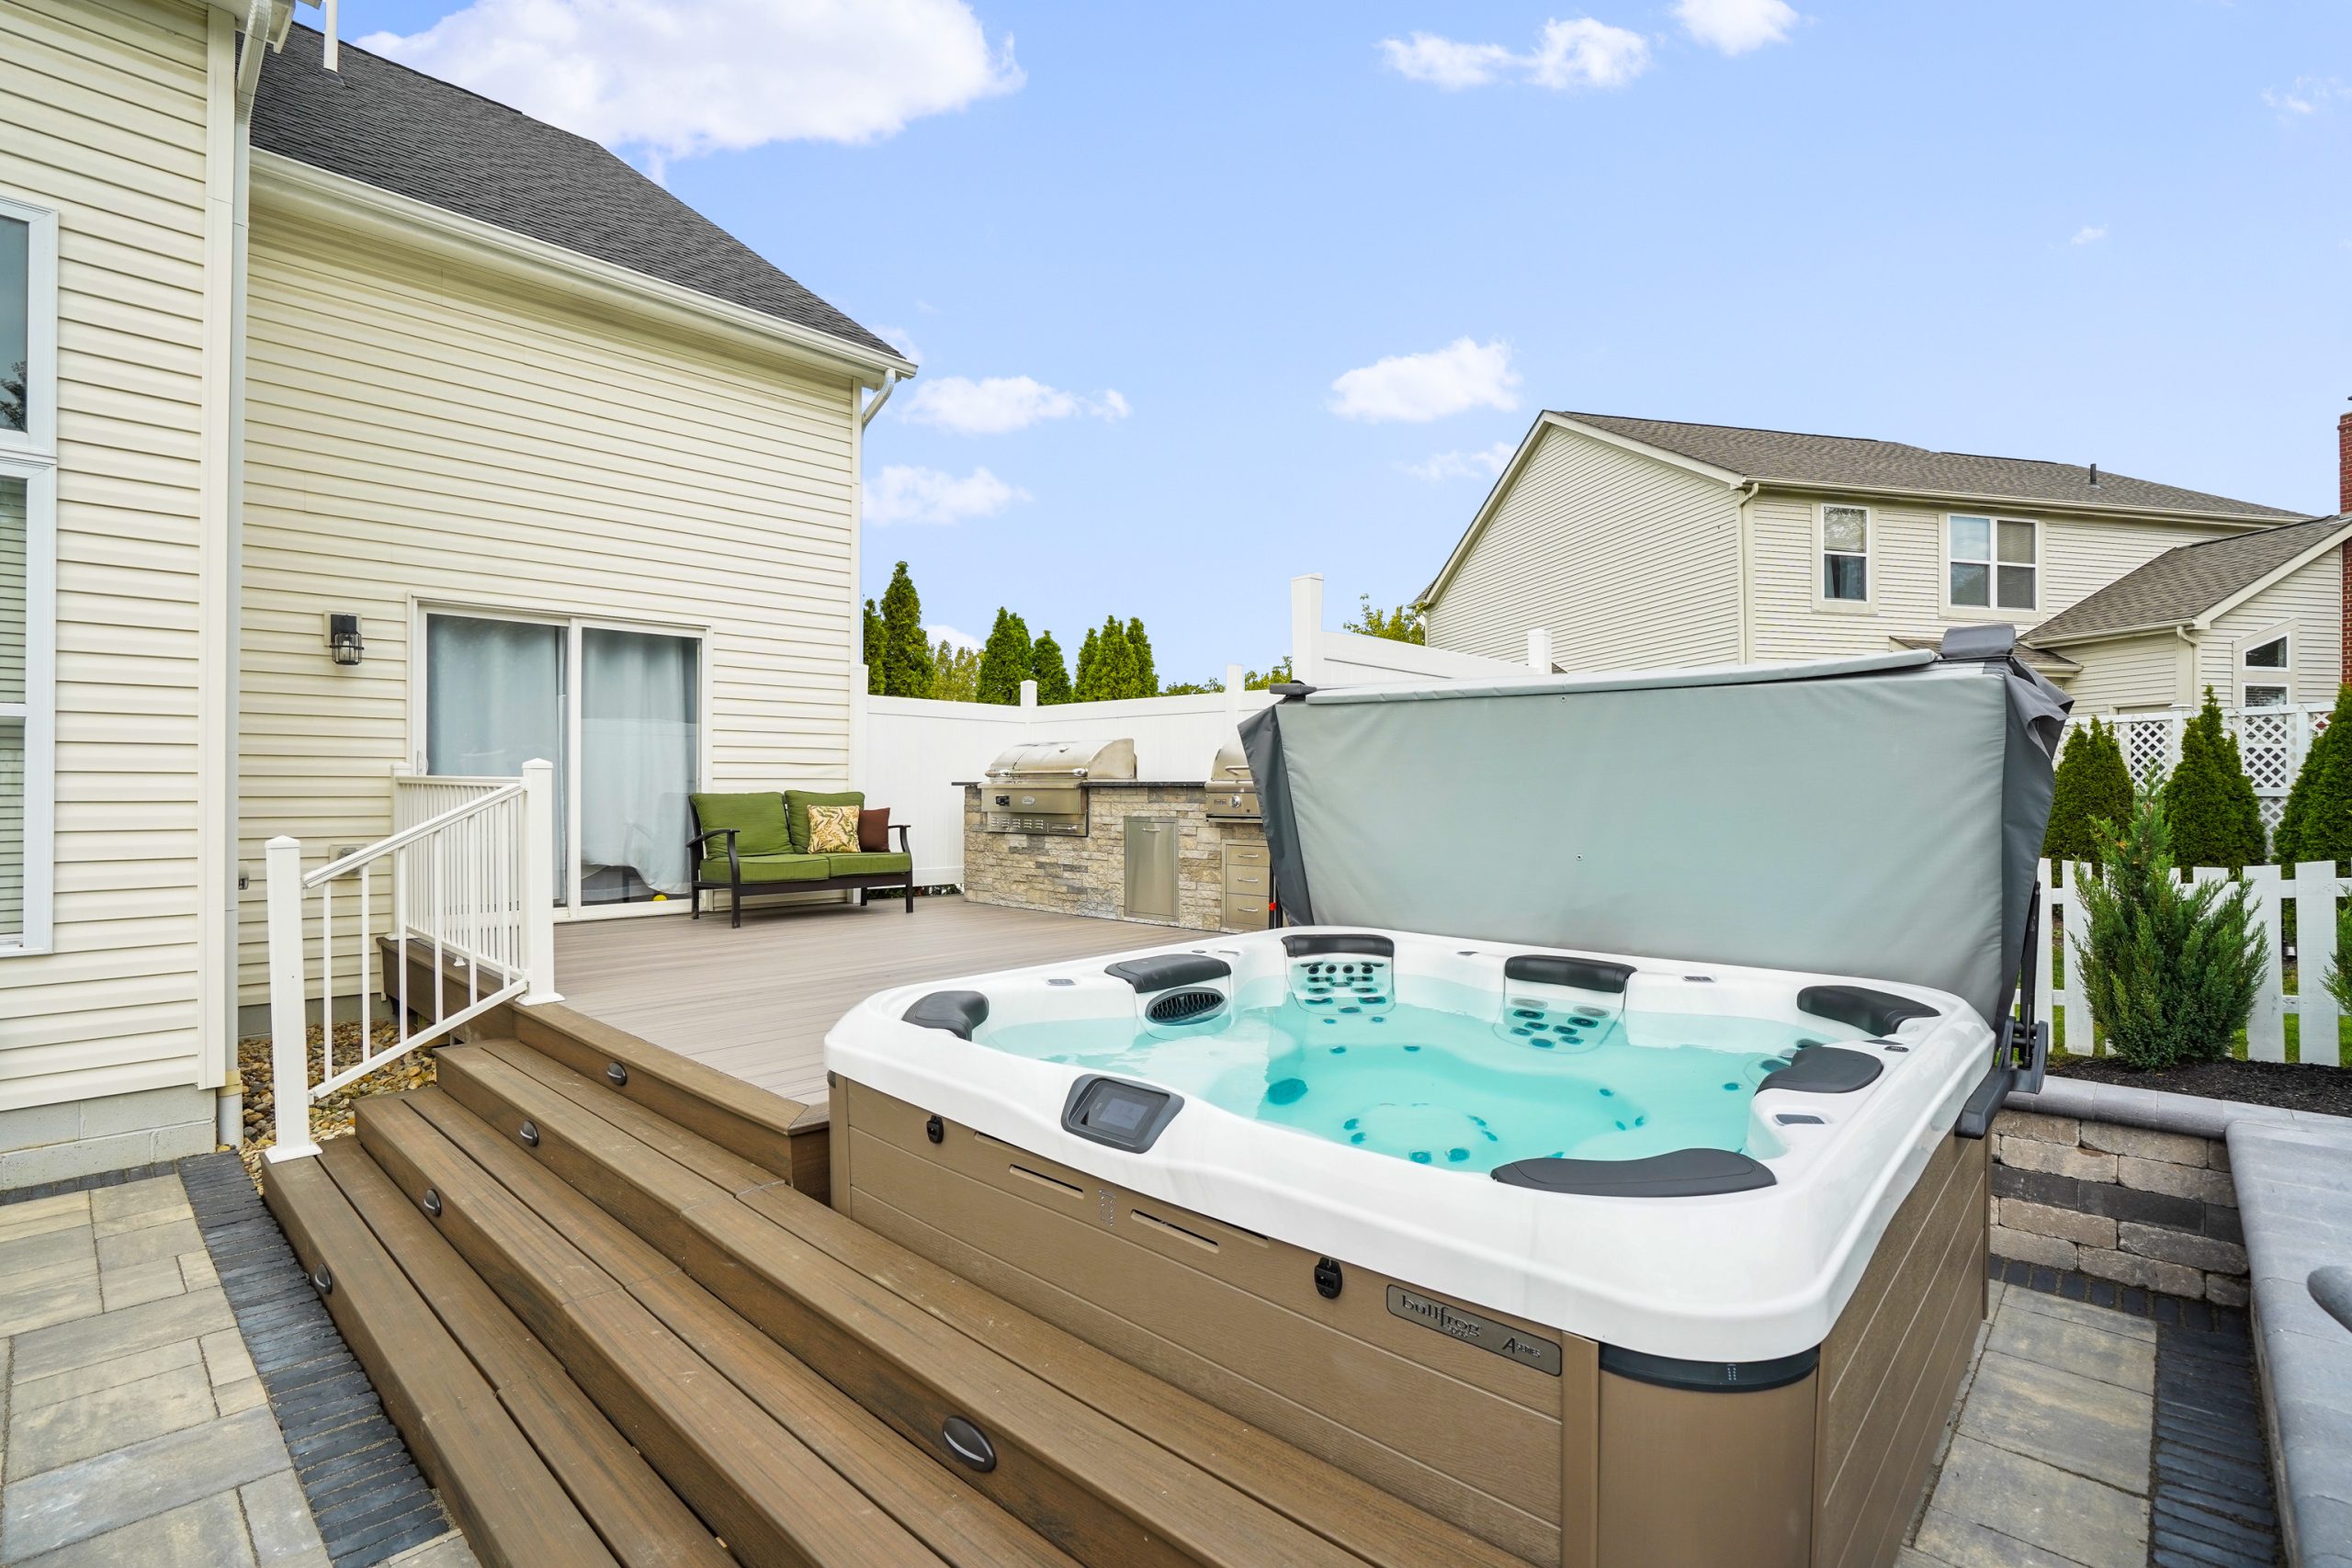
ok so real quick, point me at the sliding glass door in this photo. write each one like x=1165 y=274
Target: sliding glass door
x=616 y=710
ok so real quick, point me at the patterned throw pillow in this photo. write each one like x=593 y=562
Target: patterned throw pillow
x=832 y=829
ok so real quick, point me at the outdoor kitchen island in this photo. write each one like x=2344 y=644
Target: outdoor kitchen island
x=1070 y=830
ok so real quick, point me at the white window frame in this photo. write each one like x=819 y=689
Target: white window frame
x=573 y=908
x=30 y=456
x=1995 y=610
x=1821 y=599
x=2283 y=678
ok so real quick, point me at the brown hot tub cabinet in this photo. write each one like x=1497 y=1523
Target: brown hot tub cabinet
x=1559 y=1449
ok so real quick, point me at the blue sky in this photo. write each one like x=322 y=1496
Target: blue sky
x=2117 y=232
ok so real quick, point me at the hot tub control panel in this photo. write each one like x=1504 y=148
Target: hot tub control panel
x=1119 y=1113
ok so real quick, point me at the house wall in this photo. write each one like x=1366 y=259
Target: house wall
x=421 y=434
x=1629 y=562
x=2309 y=604
x=2078 y=557
x=2130 y=672
x=117 y=115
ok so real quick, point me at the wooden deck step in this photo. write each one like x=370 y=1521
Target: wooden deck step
x=768 y=1488
x=1109 y=1463
x=513 y=1511
x=641 y=1521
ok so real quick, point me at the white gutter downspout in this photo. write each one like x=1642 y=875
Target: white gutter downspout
x=873 y=405
x=1746 y=493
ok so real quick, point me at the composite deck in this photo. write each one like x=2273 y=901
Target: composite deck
x=755 y=1002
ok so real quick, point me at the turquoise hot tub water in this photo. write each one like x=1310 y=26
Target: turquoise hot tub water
x=1439 y=1079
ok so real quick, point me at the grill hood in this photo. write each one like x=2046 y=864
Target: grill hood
x=1065 y=762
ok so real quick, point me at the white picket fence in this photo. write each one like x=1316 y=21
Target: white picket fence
x=2313 y=886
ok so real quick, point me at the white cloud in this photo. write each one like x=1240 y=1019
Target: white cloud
x=900 y=493
x=2308 y=96
x=1735 y=27
x=1485 y=463
x=902 y=340
x=672 y=78
x=1417 y=387
x=998 y=403
x=1576 y=53
x=953 y=638
x=2089 y=234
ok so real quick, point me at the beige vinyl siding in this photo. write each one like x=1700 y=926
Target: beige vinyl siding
x=2129 y=672
x=2308 y=604
x=105 y=103
x=419 y=436
x=1628 y=561
x=1906 y=571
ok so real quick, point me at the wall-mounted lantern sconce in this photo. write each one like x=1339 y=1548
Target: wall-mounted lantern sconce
x=343 y=637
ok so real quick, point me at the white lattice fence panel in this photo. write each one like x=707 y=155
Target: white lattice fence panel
x=2148 y=748
x=2267 y=746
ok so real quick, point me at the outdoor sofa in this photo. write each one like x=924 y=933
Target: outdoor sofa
x=759 y=842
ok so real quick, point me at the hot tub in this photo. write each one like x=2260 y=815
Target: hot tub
x=1486 y=1224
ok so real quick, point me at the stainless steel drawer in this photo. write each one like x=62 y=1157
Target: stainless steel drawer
x=1248 y=854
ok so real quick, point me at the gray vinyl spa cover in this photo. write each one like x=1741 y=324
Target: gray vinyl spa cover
x=1878 y=817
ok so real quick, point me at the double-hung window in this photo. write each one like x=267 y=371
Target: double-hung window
x=1992 y=563
x=27 y=535
x=2264 y=677
x=1845 y=555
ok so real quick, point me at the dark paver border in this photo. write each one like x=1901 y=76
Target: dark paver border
x=90 y=1183
x=2211 y=1504
x=365 y=1491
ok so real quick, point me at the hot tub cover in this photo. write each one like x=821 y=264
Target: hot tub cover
x=1876 y=816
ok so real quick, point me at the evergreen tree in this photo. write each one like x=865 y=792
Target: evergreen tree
x=1087 y=677
x=1004 y=661
x=1045 y=666
x=874 y=644
x=1114 y=662
x=954 y=672
x=2169 y=968
x=906 y=651
x=1143 y=679
x=2209 y=801
x=2317 y=822
x=2092 y=786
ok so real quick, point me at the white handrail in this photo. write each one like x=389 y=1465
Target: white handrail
x=475 y=881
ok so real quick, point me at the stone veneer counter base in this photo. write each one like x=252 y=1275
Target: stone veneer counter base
x=1085 y=874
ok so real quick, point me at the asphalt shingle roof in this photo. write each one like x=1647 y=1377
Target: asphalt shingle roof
x=2182 y=584
x=403 y=131
x=1890 y=465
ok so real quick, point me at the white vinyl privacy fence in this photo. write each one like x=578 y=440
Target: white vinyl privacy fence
x=2310 y=890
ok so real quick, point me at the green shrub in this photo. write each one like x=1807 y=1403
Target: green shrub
x=2093 y=786
x=2169 y=968
x=2338 y=983
x=2317 y=822
x=1052 y=675
x=2209 y=801
x=1005 y=659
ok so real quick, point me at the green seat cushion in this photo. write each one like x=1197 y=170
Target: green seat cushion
x=796 y=803
x=871 y=864
x=758 y=820
x=768 y=868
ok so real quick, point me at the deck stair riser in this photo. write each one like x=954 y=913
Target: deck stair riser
x=769 y=1494
x=1095 y=1486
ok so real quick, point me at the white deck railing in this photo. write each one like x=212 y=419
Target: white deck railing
x=474 y=884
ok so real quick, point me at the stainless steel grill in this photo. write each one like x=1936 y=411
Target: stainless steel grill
x=1232 y=793
x=1041 y=787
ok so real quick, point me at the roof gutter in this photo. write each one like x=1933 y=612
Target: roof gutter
x=2033 y=503
x=874 y=404
x=402 y=222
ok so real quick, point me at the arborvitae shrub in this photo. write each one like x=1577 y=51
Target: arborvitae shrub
x=1005 y=659
x=1047 y=667
x=2169 y=968
x=2209 y=801
x=2093 y=786
x=2317 y=822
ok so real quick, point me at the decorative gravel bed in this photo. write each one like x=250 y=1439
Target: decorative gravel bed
x=332 y=1117
x=2290 y=1085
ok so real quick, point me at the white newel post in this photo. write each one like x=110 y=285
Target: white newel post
x=1028 y=700
x=289 y=1030
x=539 y=883
x=1306 y=627
x=1539 y=649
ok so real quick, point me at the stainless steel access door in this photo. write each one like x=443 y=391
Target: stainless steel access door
x=1152 y=869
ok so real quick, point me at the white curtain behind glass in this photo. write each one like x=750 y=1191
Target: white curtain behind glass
x=640 y=756
x=493 y=700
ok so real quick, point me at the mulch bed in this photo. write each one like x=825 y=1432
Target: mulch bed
x=2292 y=1086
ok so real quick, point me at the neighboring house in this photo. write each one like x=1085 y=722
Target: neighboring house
x=1647 y=542
x=582 y=470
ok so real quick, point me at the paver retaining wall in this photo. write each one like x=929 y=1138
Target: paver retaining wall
x=2141 y=1207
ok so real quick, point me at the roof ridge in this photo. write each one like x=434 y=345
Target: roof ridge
x=2255 y=533
x=1751 y=429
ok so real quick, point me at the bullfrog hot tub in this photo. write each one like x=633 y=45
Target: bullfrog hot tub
x=1608 y=1257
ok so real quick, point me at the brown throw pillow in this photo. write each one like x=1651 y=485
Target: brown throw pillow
x=873 y=831
x=832 y=829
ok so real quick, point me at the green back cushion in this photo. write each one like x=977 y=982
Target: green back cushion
x=796 y=803
x=757 y=819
